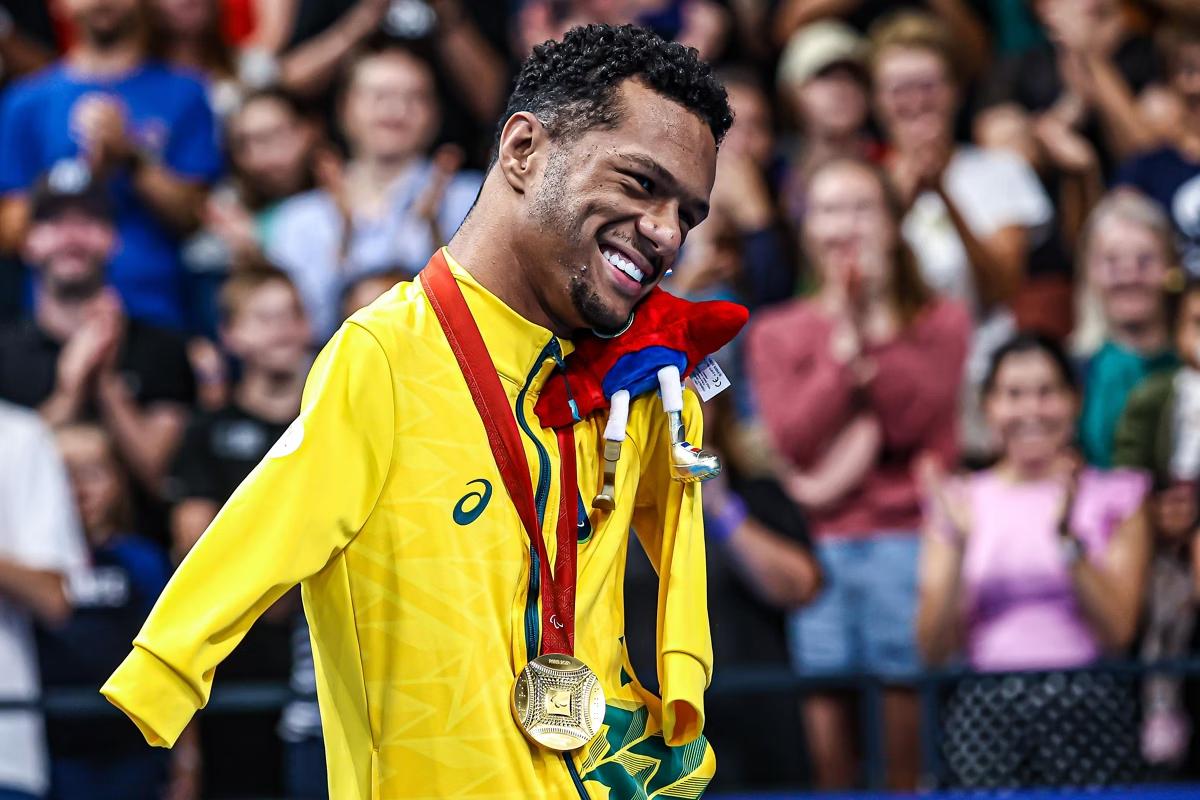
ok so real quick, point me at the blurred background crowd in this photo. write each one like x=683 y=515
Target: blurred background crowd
x=965 y=424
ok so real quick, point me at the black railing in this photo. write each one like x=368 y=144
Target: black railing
x=932 y=687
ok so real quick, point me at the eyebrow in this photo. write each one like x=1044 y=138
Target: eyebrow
x=664 y=175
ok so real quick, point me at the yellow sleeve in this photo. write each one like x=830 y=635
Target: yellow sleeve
x=670 y=525
x=291 y=516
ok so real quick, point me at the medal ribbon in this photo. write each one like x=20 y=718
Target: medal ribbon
x=557 y=586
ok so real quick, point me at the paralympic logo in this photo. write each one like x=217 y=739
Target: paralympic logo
x=464 y=515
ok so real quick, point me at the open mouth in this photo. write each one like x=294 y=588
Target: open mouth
x=630 y=270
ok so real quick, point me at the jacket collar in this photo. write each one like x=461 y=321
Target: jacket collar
x=523 y=352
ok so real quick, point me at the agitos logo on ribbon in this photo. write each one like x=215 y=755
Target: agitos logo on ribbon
x=464 y=515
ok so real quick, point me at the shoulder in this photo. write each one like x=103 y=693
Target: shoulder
x=944 y=316
x=305 y=209
x=35 y=87
x=978 y=163
x=1154 y=389
x=138 y=552
x=1122 y=490
x=1159 y=157
x=23 y=431
x=399 y=315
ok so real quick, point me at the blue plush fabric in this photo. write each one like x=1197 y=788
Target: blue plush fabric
x=638 y=372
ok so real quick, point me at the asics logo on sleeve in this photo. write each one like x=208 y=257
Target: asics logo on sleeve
x=472 y=504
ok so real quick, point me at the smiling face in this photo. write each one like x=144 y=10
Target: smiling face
x=914 y=95
x=833 y=103
x=269 y=330
x=849 y=227
x=104 y=22
x=610 y=208
x=70 y=252
x=1128 y=268
x=95 y=478
x=390 y=110
x=1031 y=408
x=269 y=146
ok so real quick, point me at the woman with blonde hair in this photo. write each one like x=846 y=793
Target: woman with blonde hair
x=1126 y=263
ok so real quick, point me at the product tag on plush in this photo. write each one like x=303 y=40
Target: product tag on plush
x=709 y=380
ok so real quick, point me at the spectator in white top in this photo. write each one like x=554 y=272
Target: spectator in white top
x=973 y=215
x=40 y=544
x=390 y=205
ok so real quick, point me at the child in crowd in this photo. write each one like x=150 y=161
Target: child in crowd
x=104 y=759
x=264 y=327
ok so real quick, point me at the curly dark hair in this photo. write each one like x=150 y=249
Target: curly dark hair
x=570 y=86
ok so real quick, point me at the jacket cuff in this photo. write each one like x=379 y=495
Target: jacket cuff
x=684 y=681
x=153 y=695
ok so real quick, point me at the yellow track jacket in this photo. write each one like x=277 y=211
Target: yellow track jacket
x=384 y=502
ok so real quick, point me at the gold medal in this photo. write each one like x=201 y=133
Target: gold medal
x=558 y=702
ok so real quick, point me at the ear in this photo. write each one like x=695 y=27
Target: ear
x=523 y=144
x=34 y=247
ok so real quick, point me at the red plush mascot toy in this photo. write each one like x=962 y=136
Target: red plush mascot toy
x=665 y=340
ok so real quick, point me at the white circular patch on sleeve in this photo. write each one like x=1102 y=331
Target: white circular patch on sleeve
x=289 y=442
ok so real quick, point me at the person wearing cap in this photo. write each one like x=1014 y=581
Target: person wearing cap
x=823 y=80
x=142 y=127
x=79 y=356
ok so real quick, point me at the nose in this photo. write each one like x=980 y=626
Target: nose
x=661 y=226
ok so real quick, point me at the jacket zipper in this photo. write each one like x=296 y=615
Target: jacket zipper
x=541 y=496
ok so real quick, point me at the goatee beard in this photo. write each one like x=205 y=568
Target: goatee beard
x=115 y=34
x=591 y=308
x=76 y=291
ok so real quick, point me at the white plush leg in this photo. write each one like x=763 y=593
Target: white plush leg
x=618 y=416
x=614 y=434
x=671 y=387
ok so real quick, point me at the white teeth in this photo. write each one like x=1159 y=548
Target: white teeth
x=623 y=264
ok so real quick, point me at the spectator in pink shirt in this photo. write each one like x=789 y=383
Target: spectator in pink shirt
x=854 y=384
x=1035 y=564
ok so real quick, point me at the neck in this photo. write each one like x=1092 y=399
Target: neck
x=485 y=250
x=1145 y=338
x=101 y=534
x=380 y=171
x=57 y=317
x=274 y=396
x=188 y=52
x=829 y=144
x=1027 y=471
x=117 y=59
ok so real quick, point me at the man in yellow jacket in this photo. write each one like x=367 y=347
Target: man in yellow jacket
x=383 y=499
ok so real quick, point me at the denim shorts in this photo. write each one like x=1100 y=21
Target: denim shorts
x=865 y=617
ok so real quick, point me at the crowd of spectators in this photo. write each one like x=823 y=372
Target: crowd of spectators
x=965 y=422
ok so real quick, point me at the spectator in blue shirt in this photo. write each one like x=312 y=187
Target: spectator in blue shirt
x=146 y=130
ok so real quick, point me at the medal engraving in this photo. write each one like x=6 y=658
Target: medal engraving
x=558 y=702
